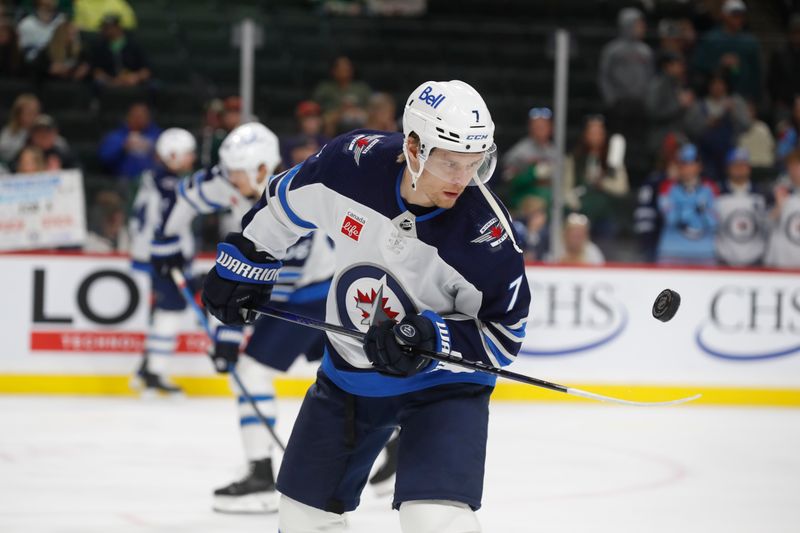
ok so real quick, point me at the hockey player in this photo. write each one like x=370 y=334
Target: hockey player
x=176 y=151
x=422 y=260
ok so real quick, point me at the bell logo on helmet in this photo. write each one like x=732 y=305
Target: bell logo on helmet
x=432 y=100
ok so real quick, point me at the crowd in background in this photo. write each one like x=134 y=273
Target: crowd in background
x=694 y=148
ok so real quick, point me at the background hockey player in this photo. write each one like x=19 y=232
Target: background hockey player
x=422 y=260
x=176 y=151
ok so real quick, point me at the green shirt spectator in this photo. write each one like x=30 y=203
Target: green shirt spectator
x=732 y=50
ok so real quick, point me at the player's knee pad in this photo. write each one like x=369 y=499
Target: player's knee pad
x=166 y=323
x=256 y=378
x=437 y=516
x=296 y=517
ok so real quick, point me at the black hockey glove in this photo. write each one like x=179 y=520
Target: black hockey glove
x=240 y=281
x=225 y=351
x=390 y=345
x=166 y=254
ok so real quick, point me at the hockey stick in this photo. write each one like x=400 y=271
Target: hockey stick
x=180 y=282
x=471 y=365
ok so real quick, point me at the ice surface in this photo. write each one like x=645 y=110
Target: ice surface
x=91 y=465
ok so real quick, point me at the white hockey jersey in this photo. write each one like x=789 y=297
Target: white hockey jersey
x=156 y=193
x=392 y=260
x=742 y=232
x=783 y=250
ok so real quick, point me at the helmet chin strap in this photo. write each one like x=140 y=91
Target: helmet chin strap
x=414 y=175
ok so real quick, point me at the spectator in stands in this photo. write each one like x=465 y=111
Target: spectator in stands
x=36 y=30
x=29 y=161
x=24 y=111
x=129 y=150
x=382 y=113
x=758 y=141
x=309 y=125
x=783 y=79
x=106 y=224
x=10 y=56
x=688 y=210
x=529 y=164
x=783 y=250
x=742 y=234
x=89 y=14
x=116 y=59
x=44 y=136
x=595 y=178
x=668 y=100
x=222 y=116
x=732 y=50
x=212 y=121
x=647 y=219
x=349 y=116
x=789 y=133
x=64 y=57
x=715 y=124
x=577 y=249
x=331 y=94
x=532 y=228
x=676 y=36
x=625 y=70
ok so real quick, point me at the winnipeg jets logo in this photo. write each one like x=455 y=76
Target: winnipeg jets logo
x=374 y=306
x=741 y=225
x=793 y=228
x=367 y=295
x=492 y=232
x=361 y=145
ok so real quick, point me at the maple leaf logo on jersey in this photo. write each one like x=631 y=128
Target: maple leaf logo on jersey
x=373 y=307
x=361 y=145
x=492 y=232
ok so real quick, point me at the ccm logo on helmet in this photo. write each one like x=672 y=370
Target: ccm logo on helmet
x=477 y=137
x=432 y=100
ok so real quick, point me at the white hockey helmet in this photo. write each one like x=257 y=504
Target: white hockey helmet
x=173 y=144
x=450 y=115
x=248 y=147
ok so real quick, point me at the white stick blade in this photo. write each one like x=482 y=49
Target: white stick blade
x=620 y=401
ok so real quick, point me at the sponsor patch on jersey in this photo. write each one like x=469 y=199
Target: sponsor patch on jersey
x=492 y=233
x=361 y=145
x=353 y=224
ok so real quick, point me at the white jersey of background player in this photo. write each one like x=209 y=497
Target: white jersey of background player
x=783 y=250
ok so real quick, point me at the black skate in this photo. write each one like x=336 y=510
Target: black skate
x=382 y=481
x=255 y=493
x=149 y=383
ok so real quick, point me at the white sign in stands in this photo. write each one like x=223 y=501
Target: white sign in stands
x=43 y=210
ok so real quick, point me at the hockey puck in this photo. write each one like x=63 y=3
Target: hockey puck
x=666 y=305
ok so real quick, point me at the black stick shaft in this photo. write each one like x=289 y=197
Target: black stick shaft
x=439 y=356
